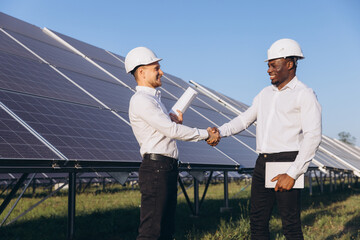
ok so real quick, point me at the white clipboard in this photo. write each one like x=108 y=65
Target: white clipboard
x=272 y=169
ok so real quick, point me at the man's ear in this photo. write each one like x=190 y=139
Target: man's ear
x=290 y=64
x=140 y=72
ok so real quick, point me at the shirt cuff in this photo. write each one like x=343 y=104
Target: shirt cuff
x=293 y=172
x=221 y=132
x=203 y=134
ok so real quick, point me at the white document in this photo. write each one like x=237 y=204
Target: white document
x=184 y=101
x=272 y=169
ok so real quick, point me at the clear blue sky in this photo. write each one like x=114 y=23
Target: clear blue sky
x=223 y=44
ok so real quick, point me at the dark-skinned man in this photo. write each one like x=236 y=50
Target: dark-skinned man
x=157 y=131
x=288 y=129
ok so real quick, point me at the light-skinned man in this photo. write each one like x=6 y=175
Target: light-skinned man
x=156 y=132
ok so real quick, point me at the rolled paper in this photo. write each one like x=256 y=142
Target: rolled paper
x=184 y=101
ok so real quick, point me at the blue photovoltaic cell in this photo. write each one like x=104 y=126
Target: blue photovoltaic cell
x=201 y=153
x=120 y=73
x=328 y=161
x=239 y=105
x=175 y=81
x=15 y=25
x=90 y=51
x=10 y=46
x=214 y=104
x=61 y=58
x=79 y=132
x=115 y=96
x=350 y=158
x=29 y=76
x=16 y=142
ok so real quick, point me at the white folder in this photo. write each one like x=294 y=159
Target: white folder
x=272 y=169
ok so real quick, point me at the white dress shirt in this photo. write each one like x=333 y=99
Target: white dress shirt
x=152 y=126
x=287 y=120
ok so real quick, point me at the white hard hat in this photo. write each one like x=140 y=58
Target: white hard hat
x=139 y=56
x=284 y=48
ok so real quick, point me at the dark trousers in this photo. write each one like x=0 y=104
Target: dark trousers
x=158 y=187
x=263 y=199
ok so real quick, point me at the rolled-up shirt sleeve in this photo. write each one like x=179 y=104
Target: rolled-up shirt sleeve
x=311 y=128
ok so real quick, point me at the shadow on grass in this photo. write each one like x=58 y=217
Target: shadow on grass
x=351 y=229
x=122 y=224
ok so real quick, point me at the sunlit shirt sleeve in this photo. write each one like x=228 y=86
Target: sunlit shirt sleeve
x=311 y=132
x=241 y=122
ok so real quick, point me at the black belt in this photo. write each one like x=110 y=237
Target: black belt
x=280 y=154
x=159 y=157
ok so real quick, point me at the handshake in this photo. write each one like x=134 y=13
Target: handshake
x=214 y=136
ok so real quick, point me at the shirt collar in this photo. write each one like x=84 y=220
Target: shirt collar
x=152 y=91
x=292 y=84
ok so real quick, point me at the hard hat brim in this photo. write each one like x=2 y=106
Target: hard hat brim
x=299 y=58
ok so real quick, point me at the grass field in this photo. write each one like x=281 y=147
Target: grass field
x=114 y=215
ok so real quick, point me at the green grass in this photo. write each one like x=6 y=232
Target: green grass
x=114 y=215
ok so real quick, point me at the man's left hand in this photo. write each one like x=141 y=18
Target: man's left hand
x=177 y=118
x=284 y=182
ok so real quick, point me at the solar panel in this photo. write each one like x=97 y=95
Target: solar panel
x=113 y=95
x=91 y=51
x=80 y=132
x=28 y=76
x=10 y=46
x=59 y=57
x=16 y=25
x=344 y=155
x=18 y=143
x=66 y=118
x=329 y=161
x=120 y=73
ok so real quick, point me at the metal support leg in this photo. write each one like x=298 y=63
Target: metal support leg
x=13 y=192
x=18 y=199
x=331 y=182
x=226 y=193
x=186 y=196
x=71 y=205
x=196 y=196
x=310 y=184
x=206 y=188
x=321 y=182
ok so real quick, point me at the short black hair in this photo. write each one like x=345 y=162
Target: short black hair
x=134 y=70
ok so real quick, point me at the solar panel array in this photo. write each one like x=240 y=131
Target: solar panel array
x=63 y=100
x=67 y=101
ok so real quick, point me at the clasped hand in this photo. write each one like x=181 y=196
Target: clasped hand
x=214 y=136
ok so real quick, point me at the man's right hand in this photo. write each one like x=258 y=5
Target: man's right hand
x=214 y=136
